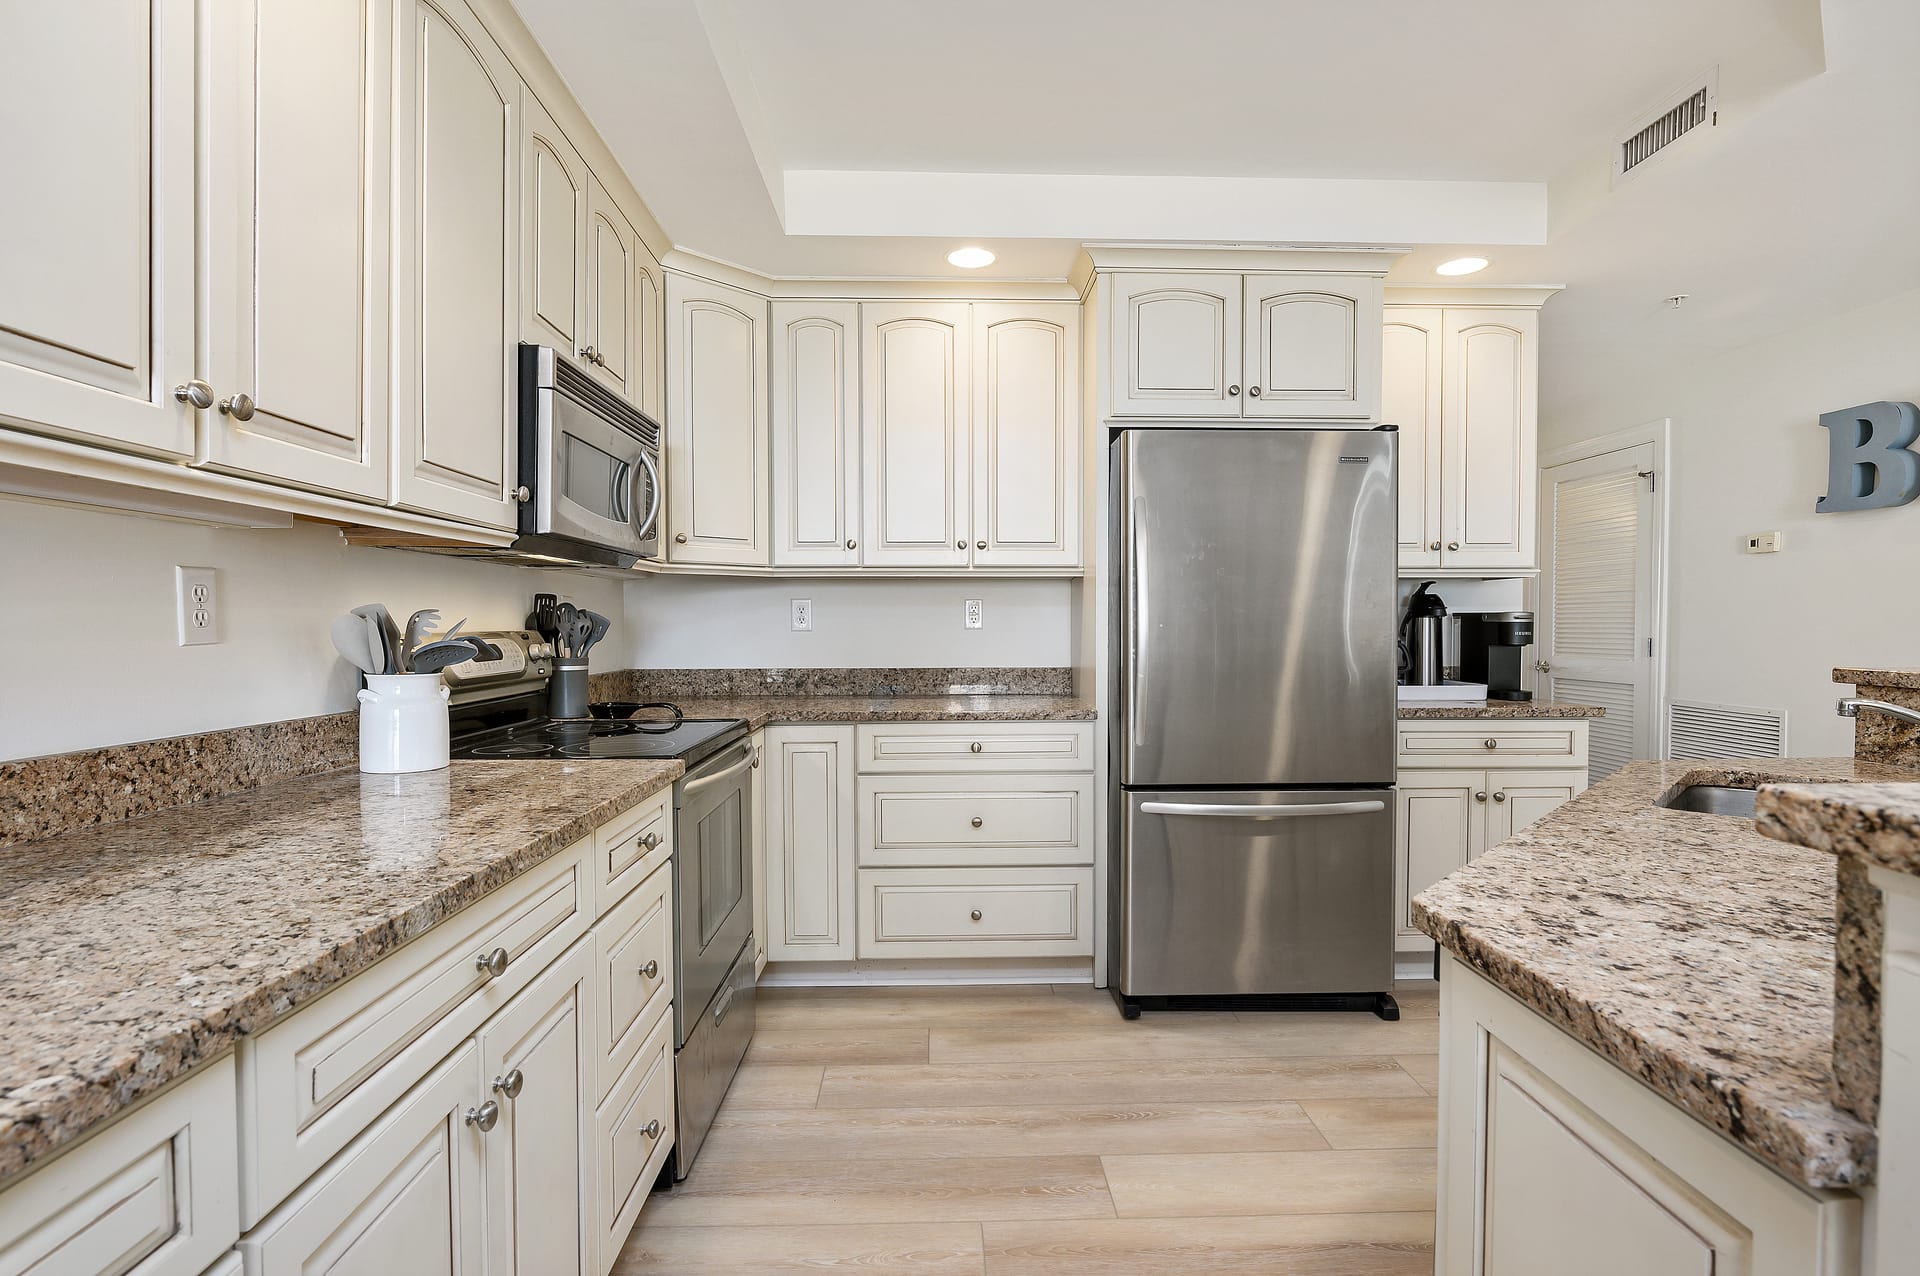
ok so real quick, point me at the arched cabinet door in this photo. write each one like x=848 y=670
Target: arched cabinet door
x=1026 y=434
x=716 y=424
x=816 y=433
x=612 y=327
x=1312 y=347
x=1410 y=399
x=553 y=187
x=1488 y=450
x=914 y=413
x=1176 y=345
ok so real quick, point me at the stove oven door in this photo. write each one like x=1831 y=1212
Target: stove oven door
x=713 y=882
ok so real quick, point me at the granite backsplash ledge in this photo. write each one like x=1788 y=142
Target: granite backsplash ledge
x=1878 y=736
x=678 y=684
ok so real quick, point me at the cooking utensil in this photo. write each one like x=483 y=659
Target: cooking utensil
x=350 y=640
x=436 y=656
x=419 y=625
x=582 y=631
x=600 y=624
x=540 y=619
x=378 y=645
x=563 y=619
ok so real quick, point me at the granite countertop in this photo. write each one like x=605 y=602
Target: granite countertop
x=1877 y=823
x=133 y=952
x=761 y=710
x=1499 y=709
x=1687 y=949
x=1862 y=677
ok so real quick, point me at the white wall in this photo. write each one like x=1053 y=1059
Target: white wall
x=90 y=605
x=683 y=622
x=1749 y=456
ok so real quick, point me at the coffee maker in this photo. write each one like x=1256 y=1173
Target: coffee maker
x=1491 y=643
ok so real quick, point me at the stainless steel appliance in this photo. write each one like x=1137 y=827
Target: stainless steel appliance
x=1422 y=639
x=1253 y=754
x=499 y=710
x=589 y=468
x=1491 y=647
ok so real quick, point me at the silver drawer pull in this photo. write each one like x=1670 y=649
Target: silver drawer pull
x=510 y=1085
x=1235 y=811
x=1499 y=797
x=974 y=747
x=1491 y=744
x=650 y=841
x=484 y=1117
x=977 y=821
x=651 y=970
x=651 y=1129
x=975 y=914
x=493 y=964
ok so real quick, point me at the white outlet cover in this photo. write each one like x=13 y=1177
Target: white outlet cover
x=196 y=606
x=802 y=615
x=975 y=614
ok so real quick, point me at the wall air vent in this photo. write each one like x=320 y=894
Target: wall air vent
x=1698 y=730
x=1696 y=107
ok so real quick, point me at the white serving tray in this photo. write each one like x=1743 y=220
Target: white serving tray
x=1446 y=693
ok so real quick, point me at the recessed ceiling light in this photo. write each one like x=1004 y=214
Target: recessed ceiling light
x=970 y=258
x=1461 y=266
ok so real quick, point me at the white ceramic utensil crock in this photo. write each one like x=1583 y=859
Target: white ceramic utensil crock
x=403 y=723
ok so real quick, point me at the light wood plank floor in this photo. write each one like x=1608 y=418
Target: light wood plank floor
x=1030 y=1131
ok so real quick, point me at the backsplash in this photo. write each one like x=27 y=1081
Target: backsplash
x=669 y=684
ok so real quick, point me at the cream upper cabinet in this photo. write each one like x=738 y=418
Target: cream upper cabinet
x=914 y=414
x=816 y=433
x=1312 y=347
x=1026 y=435
x=1176 y=344
x=455 y=265
x=716 y=423
x=612 y=324
x=97 y=264
x=649 y=335
x=1489 y=483
x=553 y=214
x=297 y=204
x=1410 y=399
x=809 y=854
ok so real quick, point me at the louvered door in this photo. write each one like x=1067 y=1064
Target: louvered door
x=1596 y=591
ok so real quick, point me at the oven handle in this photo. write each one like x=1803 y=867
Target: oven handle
x=653 y=509
x=1261 y=812
x=698 y=783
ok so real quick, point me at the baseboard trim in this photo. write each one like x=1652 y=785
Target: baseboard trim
x=907 y=974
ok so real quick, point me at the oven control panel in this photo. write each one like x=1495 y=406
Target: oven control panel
x=524 y=656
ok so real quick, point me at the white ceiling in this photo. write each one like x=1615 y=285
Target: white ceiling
x=889 y=131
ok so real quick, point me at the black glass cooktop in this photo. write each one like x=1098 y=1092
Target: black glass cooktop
x=689 y=739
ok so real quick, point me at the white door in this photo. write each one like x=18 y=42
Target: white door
x=1176 y=344
x=553 y=213
x=455 y=267
x=1026 y=435
x=297 y=200
x=1597 y=599
x=1516 y=799
x=1440 y=823
x=611 y=326
x=1489 y=429
x=534 y=1056
x=816 y=433
x=1312 y=347
x=97 y=262
x=914 y=369
x=716 y=424
x=1410 y=399
x=405 y=1196
x=810 y=843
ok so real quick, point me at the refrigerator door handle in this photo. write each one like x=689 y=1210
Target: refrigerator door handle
x=1262 y=811
x=1136 y=613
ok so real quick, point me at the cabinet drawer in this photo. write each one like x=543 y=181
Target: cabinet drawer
x=928 y=821
x=1006 y=912
x=155 y=1194
x=633 y=939
x=313 y=1081
x=633 y=1132
x=1557 y=743
x=910 y=747
x=627 y=848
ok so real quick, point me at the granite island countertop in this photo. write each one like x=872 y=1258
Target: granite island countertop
x=1486 y=709
x=133 y=952
x=1688 y=950
x=761 y=710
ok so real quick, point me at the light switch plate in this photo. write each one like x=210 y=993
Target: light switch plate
x=1765 y=542
x=196 y=606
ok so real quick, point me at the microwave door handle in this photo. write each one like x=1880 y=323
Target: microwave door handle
x=653 y=506
x=623 y=493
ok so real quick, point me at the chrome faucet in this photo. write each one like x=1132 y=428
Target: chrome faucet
x=1851 y=706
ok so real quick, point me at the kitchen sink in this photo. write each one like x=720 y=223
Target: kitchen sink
x=1711 y=799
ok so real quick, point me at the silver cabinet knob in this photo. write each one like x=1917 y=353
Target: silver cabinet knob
x=510 y=1085
x=493 y=964
x=239 y=407
x=1435 y=547
x=652 y=1128
x=977 y=821
x=756 y=760
x=651 y=970
x=1233 y=391
x=1480 y=796
x=852 y=543
x=959 y=544
x=1254 y=390
x=974 y=747
x=1453 y=545
x=679 y=538
x=975 y=914
x=651 y=841
x=1499 y=797
x=484 y=1117
x=1491 y=743
x=196 y=392
x=523 y=493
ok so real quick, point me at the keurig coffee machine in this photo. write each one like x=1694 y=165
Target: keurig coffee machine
x=1491 y=643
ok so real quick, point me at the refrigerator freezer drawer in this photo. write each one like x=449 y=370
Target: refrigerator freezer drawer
x=1257 y=892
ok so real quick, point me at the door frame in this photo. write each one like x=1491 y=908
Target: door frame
x=1659 y=433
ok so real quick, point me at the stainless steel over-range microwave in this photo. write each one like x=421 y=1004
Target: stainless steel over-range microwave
x=590 y=462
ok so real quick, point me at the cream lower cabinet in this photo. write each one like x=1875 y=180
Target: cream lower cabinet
x=1450 y=805
x=756 y=827
x=1554 y=1160
x=808 y=856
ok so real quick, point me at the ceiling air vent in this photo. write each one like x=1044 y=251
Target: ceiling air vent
x=1695 y=108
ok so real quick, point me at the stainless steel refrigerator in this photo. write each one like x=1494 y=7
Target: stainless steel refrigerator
x=1253 y=747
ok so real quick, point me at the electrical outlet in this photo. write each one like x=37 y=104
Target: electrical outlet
x=802 y=619
x=1765 y=542
x=197 y=606
x=975 y=614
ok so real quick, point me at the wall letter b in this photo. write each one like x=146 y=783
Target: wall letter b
x=1868 y=464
